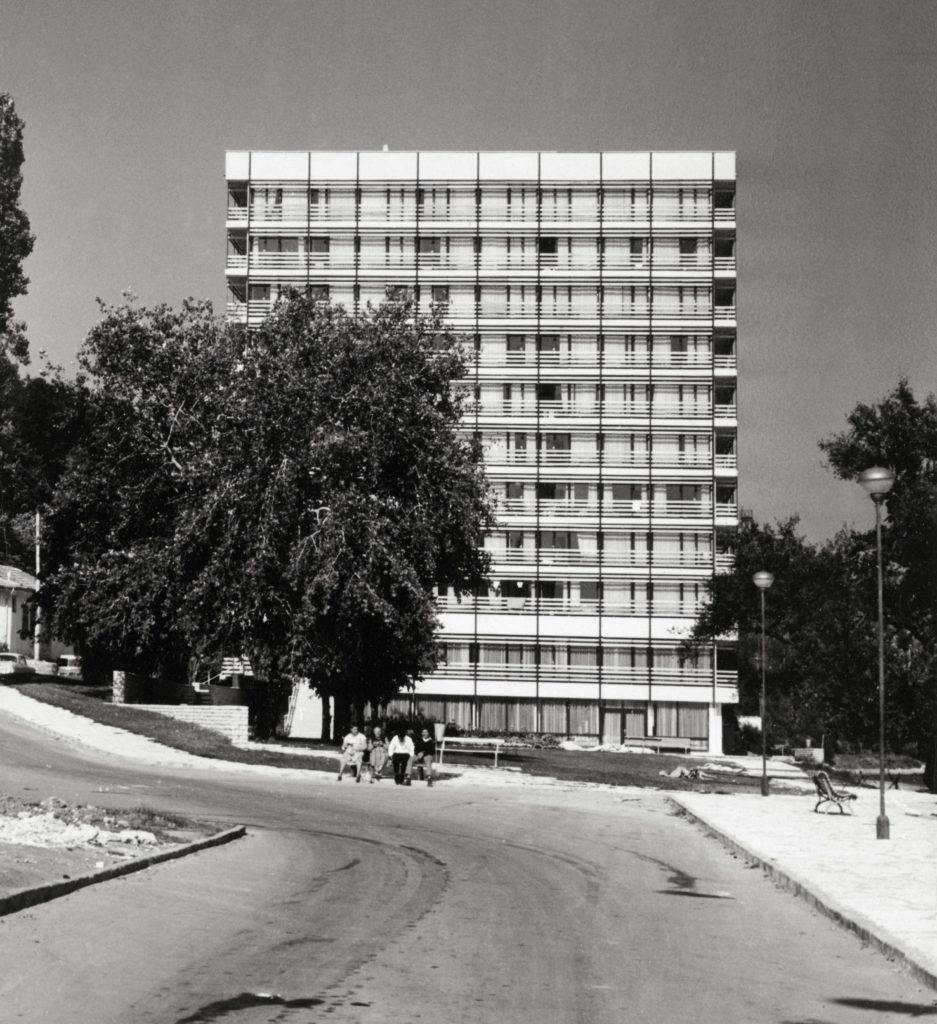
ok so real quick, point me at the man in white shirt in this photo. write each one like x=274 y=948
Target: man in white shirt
x=353 y=747
x=401 y=754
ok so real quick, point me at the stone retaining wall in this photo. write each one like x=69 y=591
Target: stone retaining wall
x=230 y=721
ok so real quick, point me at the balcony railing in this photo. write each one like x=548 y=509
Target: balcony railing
x=641 y=509
x=670 y=607
x=584 y=674
x=588 y=407
x=635 y=559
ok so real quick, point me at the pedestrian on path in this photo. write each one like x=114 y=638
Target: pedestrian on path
x=354 y=745
x=377 y=750
x=425 y=756
x=401 y=754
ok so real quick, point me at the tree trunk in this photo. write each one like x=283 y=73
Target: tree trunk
x=326 y=716
x=929 y=757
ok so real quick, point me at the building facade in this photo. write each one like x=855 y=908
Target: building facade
x=598 y=292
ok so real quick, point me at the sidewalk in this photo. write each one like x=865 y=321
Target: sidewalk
x=885 y=891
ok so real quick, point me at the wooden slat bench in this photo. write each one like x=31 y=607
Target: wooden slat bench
x=470 y=743
x=659 y=743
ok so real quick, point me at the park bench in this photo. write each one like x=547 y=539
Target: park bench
x=659 y=743
x=470 y=743
x=831 y=797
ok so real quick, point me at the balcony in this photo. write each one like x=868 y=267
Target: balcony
x=668 y=607
x=638 y=675
x=638 y=559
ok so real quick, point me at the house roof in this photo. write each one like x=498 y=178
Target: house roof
x=10 y=577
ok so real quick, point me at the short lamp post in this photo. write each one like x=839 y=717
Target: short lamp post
x=877 y=482
x=763 y=581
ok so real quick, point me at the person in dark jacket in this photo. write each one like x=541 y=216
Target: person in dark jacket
x=424 y=756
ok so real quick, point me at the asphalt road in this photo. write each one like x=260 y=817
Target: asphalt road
x=360 y=903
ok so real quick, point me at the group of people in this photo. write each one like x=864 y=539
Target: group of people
x=407 y=755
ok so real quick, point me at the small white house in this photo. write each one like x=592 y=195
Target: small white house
x=16 y=610
x=18 y=616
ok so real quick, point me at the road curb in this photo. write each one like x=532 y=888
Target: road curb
x=21 y=899
x=876 y=937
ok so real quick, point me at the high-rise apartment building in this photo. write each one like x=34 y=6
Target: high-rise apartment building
x=598 y=291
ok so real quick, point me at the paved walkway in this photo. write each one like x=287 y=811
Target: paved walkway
x=886 y=891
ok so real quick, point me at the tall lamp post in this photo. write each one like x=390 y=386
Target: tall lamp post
x=877 y=482
x=763 y=581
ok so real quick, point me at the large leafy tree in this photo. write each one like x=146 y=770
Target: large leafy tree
x=16 y=242
x=822 y=609
x=900 y=432
x=37 y=418
x=293 y=493
x=820 y=648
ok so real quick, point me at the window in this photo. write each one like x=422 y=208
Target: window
x=548 y=392
x=548 y=345
x=558 y=540
x=547 y=246
x=429 y=246
x=440 y=293
x=274 y=244
x=627 y=492
x=551 y=491
x=684 y=492
x=319 y=245
x=557 y=442
x=514 y=491
x=688 y=246
x=516 y=343
x=636 y=246
x=319 y=292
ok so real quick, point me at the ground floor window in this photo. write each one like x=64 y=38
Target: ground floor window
x=609 y=722
x=689 y=720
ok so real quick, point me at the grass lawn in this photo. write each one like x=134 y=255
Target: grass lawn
x=609 y=768
x=603 y=767
x=94 y=703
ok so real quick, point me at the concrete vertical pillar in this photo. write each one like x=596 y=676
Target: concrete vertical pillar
x=715 y=729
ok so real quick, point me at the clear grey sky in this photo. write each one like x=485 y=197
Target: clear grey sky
x=130 y=104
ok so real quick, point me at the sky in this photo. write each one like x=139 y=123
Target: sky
x=129 y=108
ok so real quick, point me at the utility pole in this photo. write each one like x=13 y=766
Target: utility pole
x=36 y=605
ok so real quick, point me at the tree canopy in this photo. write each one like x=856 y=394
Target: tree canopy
x=822 y=609
x=37 y=417
x=293 y=494
x=16 y=243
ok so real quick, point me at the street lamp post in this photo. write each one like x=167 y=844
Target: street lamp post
x=877 y=482
x=763 y=581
